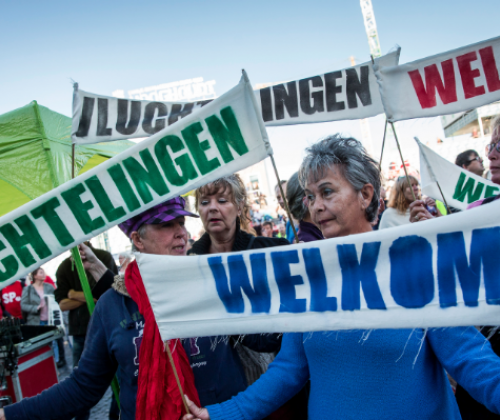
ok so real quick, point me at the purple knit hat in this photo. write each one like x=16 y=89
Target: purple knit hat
x=163 y=212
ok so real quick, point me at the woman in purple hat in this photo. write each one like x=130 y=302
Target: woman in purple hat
x=115 y=334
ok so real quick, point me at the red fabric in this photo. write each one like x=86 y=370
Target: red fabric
x=50 y=281
x=11 y=299
x=158 y=396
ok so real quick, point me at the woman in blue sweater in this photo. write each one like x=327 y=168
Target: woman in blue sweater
x=364 y=375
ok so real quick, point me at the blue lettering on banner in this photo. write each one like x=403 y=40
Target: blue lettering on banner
x=260 y=295
x=320 y=302
x=412 y=278
x=360 y=274
x=286 y=282
x=452 y=262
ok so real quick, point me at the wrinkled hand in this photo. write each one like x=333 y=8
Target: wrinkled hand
x=91 y=263
x=197 y=413
x=419 y=212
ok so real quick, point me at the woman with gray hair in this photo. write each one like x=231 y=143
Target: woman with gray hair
x=378 y=374
x=296 y=198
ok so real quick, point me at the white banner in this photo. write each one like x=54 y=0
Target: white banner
x=346 y=94
x=446 y=83
x=98 y=118
x=223 y=137
x=437 y=273
x=460 y=187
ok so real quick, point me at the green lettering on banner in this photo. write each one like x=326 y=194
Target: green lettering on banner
x=10 y=263
x=491 y=191
x=187 y=168
x=47 y=211
x=224 y=136
x=81 y=209
x=468 y=190
x=142 y=177
x=198 y=148
x=111 y=212
x=126 y=191
x=30 y=236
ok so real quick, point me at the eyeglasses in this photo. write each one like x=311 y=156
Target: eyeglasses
x=479 y=159
x=491 y=146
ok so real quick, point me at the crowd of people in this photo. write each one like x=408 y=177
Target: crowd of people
x=336 y=192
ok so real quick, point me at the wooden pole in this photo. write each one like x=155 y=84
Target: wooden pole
x=383 y=144
x=171 y=359
x=403 y=162
x=284 y=199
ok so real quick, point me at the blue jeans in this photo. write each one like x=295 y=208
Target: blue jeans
x=78 y=344
x=54 y=344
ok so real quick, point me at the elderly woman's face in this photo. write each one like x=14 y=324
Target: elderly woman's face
x=336 y=207
x=218 y=212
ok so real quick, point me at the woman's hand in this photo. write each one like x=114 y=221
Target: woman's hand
x=197 y=413
x=419 y=212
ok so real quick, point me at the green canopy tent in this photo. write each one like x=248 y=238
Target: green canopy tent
x=35 y=154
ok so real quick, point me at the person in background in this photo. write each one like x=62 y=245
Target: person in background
x=189 y=244
x=69 y=295
x=34 y=306
x=398 y=209
x=267 y=229
x=295 y=195
x=124 y=258
x=115 y=342
x=470 y=161
x=359 y=374
x=289 y=230
x=11 y=299
x=281 y=230
x=383 y=206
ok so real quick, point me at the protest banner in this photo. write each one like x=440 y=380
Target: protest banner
x=98 y=118
x=54 y=312
x=350 y=93
x=446 y=83
x=223 y=137
x=460 y=187
x=437 y=273
x=346 y=94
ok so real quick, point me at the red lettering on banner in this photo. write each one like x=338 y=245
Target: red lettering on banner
x=490 y=68
x=468 y=75
x=433 y=82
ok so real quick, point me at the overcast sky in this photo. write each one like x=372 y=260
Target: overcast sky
x=129 y=44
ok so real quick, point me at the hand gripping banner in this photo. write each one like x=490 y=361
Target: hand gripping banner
x=350 y=93
x=225 y=136
x=460 y=187
x=437 y=273
x=446 y=83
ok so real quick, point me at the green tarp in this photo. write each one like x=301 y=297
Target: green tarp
x=35 y=154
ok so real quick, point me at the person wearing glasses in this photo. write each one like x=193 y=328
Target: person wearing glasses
x=470 y=161
x=471 y=409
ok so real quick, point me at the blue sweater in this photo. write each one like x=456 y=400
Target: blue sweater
x=382 y=374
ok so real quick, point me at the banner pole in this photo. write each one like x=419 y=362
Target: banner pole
x=171 y=359
x=75 y=253
x=383 y=144
x=403 y=162
x=284 y=199
x=433 y=176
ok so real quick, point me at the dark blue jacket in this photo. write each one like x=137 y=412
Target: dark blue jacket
x=112 y=346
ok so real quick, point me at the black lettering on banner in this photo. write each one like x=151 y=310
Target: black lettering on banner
x=203 y=103
x=102 y=118
x=306 y=95
x=149 y=114
x=331 y=90
x=180 y=111
x=356 y=87
x=283 y=99
x=125 y=125
x=86 y=117
x=266 y=103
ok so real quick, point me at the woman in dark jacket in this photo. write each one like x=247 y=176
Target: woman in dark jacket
x=222 y=206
